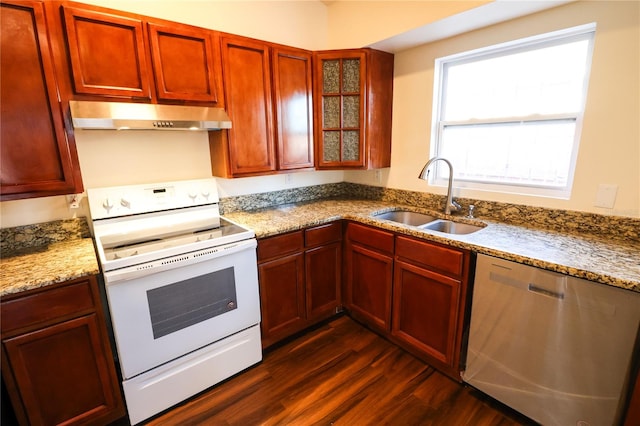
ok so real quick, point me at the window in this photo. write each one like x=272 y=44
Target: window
x=508 y=117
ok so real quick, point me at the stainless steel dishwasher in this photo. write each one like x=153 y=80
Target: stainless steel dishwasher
x=555 y=348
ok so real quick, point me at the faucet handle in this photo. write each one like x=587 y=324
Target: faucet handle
x=471 y=208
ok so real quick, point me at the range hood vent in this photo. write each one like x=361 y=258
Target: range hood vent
x=132 y=116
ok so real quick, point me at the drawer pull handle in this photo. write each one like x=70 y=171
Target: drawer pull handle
x=534 y=288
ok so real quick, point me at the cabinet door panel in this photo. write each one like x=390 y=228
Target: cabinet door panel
x=293 y=99
x=426 y=310
x=37 y=158
x=282 y=297
x=248 y=99
x=340 y=109
x=186 y=63
x=323 y=271
x=62 y=373
x=107 y=53
x=369 y=275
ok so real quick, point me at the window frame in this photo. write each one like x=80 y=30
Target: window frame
x=555 y=38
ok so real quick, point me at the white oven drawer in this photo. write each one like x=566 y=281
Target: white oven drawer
x=159 y=389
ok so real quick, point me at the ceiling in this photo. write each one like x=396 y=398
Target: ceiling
x=473 y=19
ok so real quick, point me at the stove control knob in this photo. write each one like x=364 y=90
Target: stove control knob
x=107 y=204
x=125 y=203
x=193 y=196
x=205 y=194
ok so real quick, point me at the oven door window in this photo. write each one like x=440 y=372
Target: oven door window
x=185 y=303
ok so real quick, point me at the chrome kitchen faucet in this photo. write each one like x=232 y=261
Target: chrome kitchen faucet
x=451 y=205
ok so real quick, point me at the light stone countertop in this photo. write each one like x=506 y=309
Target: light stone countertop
x=611 y=262
x=54 y=263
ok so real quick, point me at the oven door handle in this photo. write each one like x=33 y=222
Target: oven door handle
x=126 y=274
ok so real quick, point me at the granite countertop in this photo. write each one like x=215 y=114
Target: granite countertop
x=599 y=259
x=57 y=252
x=65 y=251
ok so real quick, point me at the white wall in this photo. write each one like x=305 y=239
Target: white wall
x=610 y=144
x=361 y=23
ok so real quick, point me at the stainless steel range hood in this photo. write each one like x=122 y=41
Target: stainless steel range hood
x=132 y=116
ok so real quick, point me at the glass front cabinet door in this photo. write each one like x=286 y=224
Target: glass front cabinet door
x=353 y=87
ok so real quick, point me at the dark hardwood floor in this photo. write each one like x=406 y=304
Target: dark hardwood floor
x=339 y=374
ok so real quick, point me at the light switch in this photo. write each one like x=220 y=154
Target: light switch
x=606 y=196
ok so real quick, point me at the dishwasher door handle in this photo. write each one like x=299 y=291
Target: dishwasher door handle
x=536 y=289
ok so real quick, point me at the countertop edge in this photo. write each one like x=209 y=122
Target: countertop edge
x=60 y=262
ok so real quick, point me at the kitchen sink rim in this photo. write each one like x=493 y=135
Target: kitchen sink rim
x=436 y=220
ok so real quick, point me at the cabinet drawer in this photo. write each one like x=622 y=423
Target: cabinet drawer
x=323 y=234
x=375 y=238
x=47 y=305
x=445 y=260
x=280 y=245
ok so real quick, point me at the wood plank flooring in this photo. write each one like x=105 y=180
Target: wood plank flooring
x=339 y=374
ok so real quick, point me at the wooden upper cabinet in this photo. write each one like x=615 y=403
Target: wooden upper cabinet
x=293 y=88
x=123 y=55
x=247 y=85
x=353 y=103
x=107 y=54
x=186 y=63
x=340 y=105
x=38 y=157
x=268 y=95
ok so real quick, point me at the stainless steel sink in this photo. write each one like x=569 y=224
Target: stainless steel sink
x=449 y=227
x=406 y=217
x=429 y=222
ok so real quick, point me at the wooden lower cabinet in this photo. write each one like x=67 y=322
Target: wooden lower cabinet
x=323 y=269
x=57 y=363
x=282 y=297
x=425 y=308
x=412 y=291
x=299 y=274
x=429 y=298
x=369 y=275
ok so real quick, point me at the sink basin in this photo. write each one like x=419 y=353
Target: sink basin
x=429 y=222
x=406 y=217
x=449 y=227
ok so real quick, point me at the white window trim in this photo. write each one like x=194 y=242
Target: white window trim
x=549 y=39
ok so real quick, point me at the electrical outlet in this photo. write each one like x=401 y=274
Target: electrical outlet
x=287 y=179
x=74 y=200
x=377 y=176
x=606 y=196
